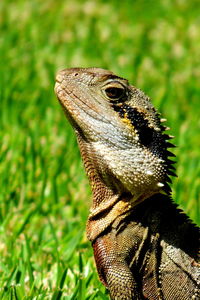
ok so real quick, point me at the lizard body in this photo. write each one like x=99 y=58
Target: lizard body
x=144 y=246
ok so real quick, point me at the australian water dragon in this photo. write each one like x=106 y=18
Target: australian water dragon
x=144 y=246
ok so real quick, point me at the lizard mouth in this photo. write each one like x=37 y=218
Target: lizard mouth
x=59 y=78
x=73 y=103
x=69 y=116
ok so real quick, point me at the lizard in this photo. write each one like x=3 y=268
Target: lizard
x=145 y=247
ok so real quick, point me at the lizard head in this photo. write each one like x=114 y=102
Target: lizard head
x=121 y=130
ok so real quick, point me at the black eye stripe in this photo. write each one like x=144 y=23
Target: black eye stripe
x=138 y=121
x=120 y=110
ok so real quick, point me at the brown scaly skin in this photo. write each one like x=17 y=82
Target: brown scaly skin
x=144 y=246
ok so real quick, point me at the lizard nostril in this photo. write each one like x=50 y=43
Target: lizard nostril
x=76 y=74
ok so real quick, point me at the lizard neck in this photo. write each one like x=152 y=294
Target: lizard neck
x=111 y=202
x=104 y=187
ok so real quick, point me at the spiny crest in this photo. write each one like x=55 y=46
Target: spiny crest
x=169 y=163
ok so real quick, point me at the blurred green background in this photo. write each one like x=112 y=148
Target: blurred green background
x=44 y=193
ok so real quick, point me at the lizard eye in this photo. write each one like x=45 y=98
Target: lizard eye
x=114 y=92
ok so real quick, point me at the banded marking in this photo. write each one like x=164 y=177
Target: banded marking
x=137 y=120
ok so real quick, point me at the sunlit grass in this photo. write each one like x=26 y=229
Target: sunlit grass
x=45 y=197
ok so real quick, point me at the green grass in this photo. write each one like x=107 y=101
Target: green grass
x=44 y=193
